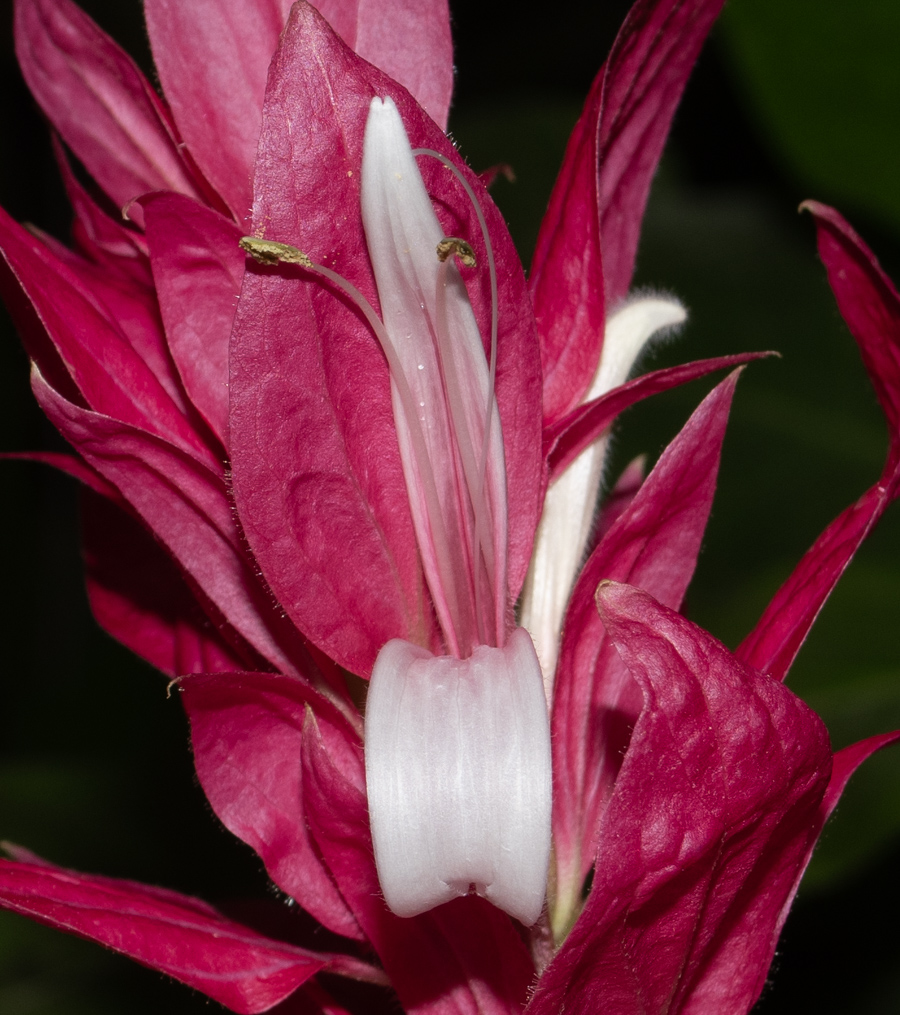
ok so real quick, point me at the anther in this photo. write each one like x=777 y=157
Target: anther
x=271 y=252
x=454 y=245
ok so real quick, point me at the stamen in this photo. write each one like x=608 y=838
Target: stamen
x=445 y=402
x=269 y=252
x=454 y=245
x=492 y=267
x=445 y=248
x=481 y=550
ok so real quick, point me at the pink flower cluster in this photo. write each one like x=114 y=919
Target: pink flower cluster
x=232 y=423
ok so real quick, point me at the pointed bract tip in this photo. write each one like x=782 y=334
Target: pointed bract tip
x=604 y=593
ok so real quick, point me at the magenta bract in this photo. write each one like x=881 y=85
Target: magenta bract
x=870 y=305
x=653 y=544
x=176 y=934
x=248 y=529
x=706 y=831
x=326 y=507
x=593 y=222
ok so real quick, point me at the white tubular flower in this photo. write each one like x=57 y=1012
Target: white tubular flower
x=568 y=515
x=457 y=746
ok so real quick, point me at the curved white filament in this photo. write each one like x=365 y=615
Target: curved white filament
x=475 y=471
x=568 y=515
x=458 y=777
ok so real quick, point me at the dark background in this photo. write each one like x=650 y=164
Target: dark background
x=791 y=99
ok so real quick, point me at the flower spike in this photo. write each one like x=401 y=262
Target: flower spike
x=336 y=458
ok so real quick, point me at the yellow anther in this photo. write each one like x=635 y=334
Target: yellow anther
x=453 y=245
x=272 y=252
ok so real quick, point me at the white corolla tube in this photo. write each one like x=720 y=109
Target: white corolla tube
x=458 y=777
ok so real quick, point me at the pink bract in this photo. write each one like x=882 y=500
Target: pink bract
x=248 y=528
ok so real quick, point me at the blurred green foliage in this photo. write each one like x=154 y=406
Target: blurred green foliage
x=822 y=79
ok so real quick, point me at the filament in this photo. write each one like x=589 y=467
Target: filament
x=426 y=473
x=269 y=253
x=482 y=548
x=483 y=535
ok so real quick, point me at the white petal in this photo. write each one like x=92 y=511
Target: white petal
x=448 y=385
x=571 y=500
x=627 y=332
x=458 y=777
